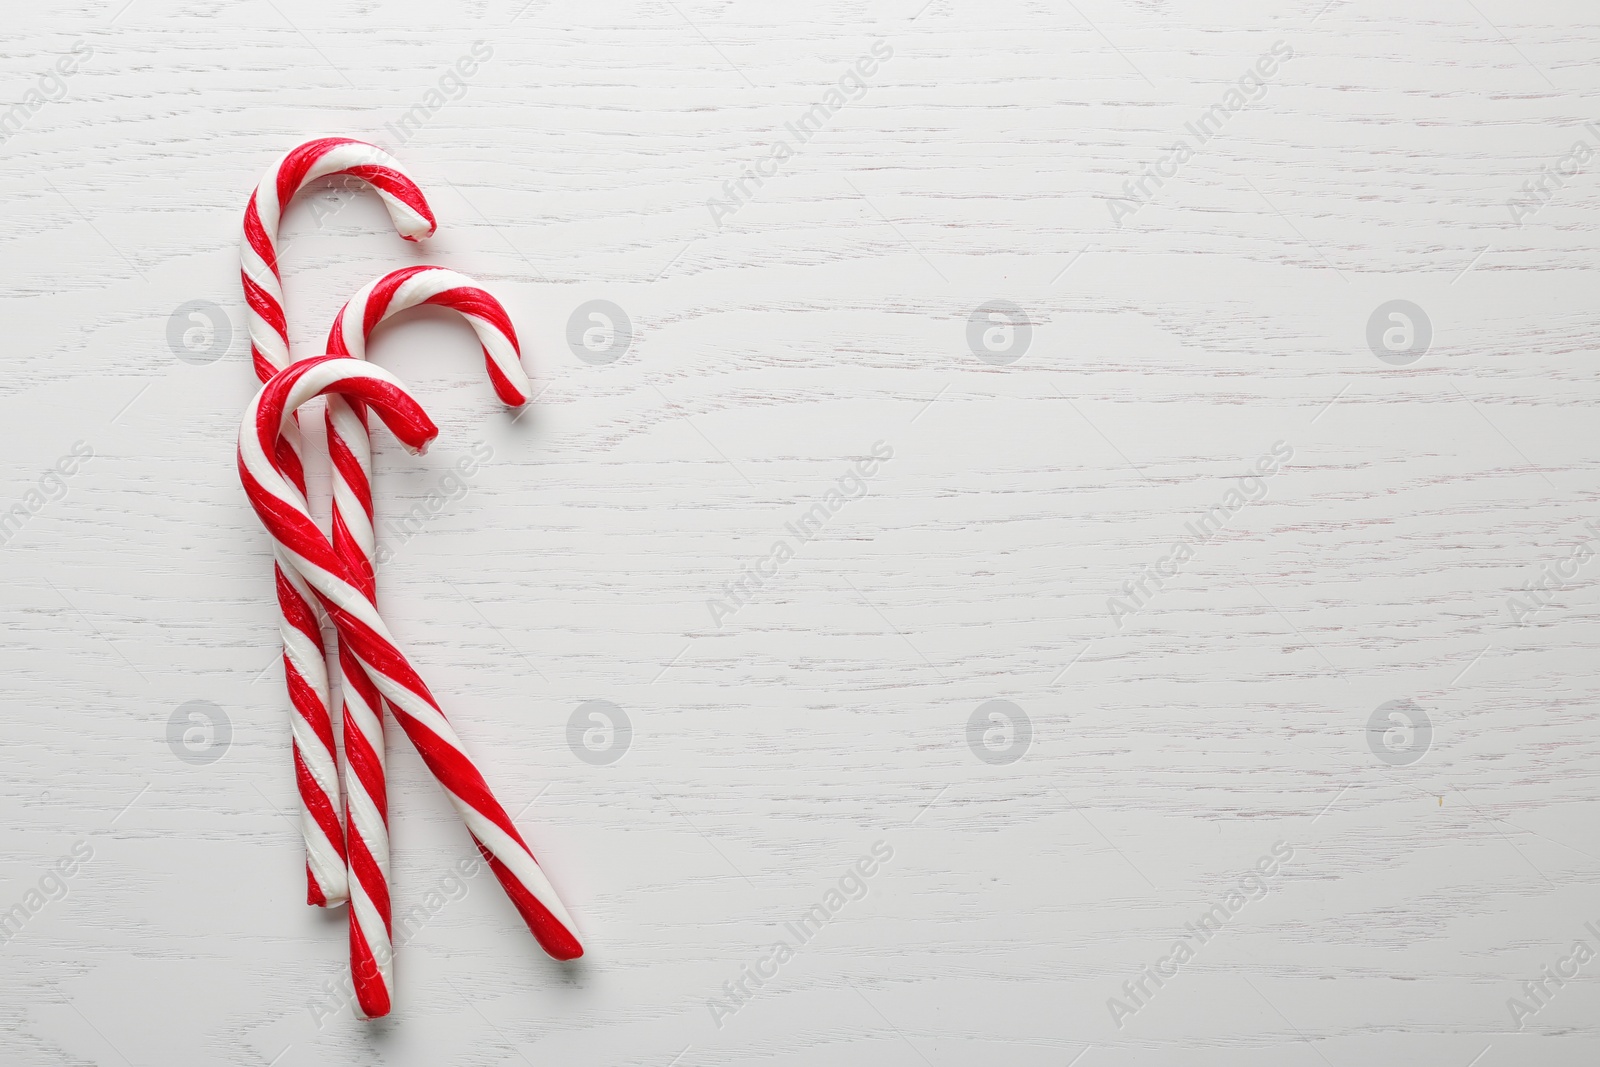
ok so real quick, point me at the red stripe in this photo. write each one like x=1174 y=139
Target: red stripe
x=382 y=294
x=290 y=466
x=261 y=242
x=398 y=186
x=267 y=307
x=378 y=654
x=292 y=171
x=314 y=895
x=296 y=610
x=457 y=773
x=508 y=393
x=263 y=303
x=365 y=868
x=371 y=993
x=290 y=527
x=358 y=753
x=478 y=303
x=305 y=701
x=318 y=804
x=345 y=462
x=552 y=936
x=357 y=566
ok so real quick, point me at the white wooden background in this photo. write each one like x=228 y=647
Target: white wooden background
x=832 y=312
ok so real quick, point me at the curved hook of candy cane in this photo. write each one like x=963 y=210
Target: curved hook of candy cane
x=410 y=287
x=281 y=509
x=258 y=251
x=367 y=845
x=375 y=303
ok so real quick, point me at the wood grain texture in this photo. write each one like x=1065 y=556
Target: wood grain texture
x=771 y=747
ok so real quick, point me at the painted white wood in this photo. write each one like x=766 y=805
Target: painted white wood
x=774 y=347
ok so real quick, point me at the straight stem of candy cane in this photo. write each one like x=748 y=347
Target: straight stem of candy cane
x=355 y=542
x=360 y=627
x=365 y=781
x=305 y=668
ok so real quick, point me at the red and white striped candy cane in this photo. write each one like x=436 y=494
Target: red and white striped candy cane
x=282 y=511
x=305 y=668
x=355 y=542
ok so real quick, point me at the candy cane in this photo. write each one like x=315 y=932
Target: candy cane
x=305 y=669
x=282 y=511
x=355 y=542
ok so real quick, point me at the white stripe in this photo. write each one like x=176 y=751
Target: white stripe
x=515 y=857
x=348 y=429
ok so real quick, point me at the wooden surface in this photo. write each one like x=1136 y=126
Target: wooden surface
x=1166 y=751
